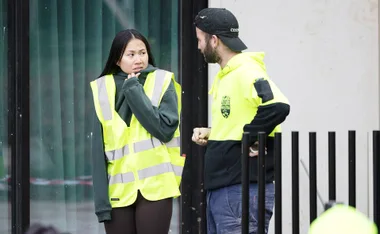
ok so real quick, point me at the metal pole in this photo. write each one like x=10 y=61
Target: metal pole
x=194 y=113
x=332 y=166
x=352 y=168
x=19 y=112
x=245 y=183
x=278 y=183
x=261 y=192
x=313 y=175
x=295 y=183
x=376 y=178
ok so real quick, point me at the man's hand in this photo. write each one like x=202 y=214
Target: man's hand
x=254 y=150
x=200 y=136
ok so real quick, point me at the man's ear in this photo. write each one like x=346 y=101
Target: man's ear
x=215 y=41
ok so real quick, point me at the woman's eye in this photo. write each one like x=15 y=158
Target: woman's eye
x=130 y=55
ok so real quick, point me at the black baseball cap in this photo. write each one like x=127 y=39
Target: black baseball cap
x=222 y=23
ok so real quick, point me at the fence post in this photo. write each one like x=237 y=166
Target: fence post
x=376 y=177
x=245 y=183
x=278 y=183
x=261 y=185
x=332 y=167
x=313 y=175
x=295 y=183
x=352 y=168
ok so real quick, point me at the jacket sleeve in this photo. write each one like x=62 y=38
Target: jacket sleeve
x=160 y=121
x=99 y=172
x=273 y=107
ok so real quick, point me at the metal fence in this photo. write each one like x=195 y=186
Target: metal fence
x=312 y=178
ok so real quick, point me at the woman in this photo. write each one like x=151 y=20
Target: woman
x=135 y=148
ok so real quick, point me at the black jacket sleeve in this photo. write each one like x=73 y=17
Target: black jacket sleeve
x=99 y=172
x=272 y=110
x=267 y=118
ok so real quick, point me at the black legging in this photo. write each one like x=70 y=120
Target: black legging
x=143 y=217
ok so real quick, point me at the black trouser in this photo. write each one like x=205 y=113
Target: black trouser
x=143 y=217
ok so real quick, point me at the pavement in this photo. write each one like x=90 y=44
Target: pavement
x=69 y=217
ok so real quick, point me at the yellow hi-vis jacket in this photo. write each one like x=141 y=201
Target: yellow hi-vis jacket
x=232 y=89
x=342 y=219
x=238 y=90
x=136 y=160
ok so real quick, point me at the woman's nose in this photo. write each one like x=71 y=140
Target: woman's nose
x=138 y=59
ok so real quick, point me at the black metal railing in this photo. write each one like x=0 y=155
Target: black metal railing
x=312 y=178
x=278 y=184
x=332 y=173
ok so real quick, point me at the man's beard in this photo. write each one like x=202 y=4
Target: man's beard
x=210 y=54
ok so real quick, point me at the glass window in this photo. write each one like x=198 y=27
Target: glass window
x=69 y=44
x=5 y=217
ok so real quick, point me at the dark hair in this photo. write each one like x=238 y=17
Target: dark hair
x=207 y=37
x=119 y=44
x=41 y=229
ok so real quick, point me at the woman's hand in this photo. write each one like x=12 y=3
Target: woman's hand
x=133 y=75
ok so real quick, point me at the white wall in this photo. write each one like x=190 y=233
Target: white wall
x=324 y=55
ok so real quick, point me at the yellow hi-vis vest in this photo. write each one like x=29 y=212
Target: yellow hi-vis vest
x=136 y=160
x=235 y=101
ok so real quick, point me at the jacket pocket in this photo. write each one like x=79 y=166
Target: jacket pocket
x=215 y=161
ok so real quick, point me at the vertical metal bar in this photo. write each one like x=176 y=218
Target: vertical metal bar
x=332 y=167
x=295 y=183
x=278 y=183
x=376 y=177
x=194 y=114
x=261 y=191
x=313 y=175
x=12 y=110
x=352 y=168
x=245 y=183
x=18 y=115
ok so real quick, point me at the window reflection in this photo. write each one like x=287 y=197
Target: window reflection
x=5 y=208
x=69 y=42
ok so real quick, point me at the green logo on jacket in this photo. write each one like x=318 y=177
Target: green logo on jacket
x=226 y=106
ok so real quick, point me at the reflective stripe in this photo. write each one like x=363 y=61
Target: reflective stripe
x=121 y=178
x=177 y=170
x=159 y=169
x=138 y=147
x=103 y=98
x=146 y=145
x=141 y=146
x=146 y=173
x=175 y=142
x=117 y=154
x=158 y=84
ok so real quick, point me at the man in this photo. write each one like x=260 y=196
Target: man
x=244 y=99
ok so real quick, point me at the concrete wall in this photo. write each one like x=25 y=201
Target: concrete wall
x=324 y=55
